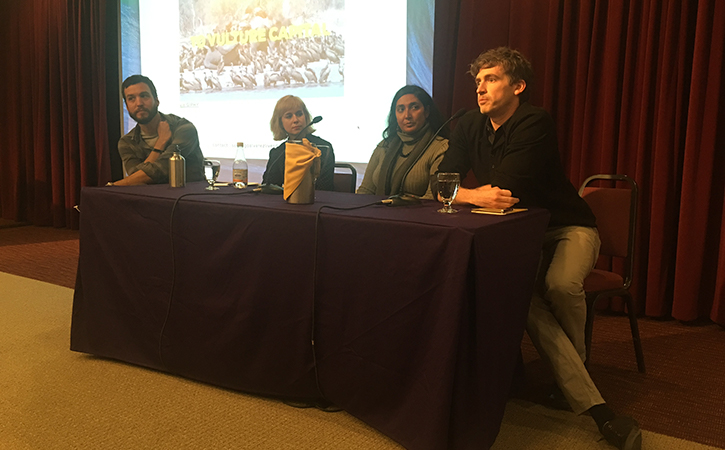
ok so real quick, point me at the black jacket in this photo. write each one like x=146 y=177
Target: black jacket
x=523 y=158
x=274 y=173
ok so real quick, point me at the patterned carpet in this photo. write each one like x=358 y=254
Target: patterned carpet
x=41 y=253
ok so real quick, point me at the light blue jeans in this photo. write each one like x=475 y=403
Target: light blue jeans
x=557 y=315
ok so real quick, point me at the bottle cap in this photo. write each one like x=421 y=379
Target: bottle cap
x=240 y=144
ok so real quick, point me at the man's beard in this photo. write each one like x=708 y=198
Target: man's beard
x=151 y=114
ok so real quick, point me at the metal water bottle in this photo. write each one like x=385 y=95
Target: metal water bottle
x=177 y=169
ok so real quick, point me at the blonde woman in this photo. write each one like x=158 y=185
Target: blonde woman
x=290 y=120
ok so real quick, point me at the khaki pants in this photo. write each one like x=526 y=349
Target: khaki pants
x=557 y=314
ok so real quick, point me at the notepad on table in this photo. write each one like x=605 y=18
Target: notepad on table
x=497 y=211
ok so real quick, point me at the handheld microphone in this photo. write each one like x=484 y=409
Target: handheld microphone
x=314 y=120
x=458 y=114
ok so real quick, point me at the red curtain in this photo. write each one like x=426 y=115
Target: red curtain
x=53 y=123
x=635 y=88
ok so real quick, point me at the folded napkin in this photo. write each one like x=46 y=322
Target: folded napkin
x=298 y=160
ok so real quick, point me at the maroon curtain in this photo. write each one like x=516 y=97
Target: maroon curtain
x=635 y=88
x=53 y=125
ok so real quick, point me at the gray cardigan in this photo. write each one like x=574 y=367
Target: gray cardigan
x=418 y=180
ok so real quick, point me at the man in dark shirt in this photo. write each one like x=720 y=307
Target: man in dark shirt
x=146 y=149
x=512 y=148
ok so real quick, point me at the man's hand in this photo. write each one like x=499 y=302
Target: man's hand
x=136 y=178
x=162 y=142
x=486 y=197
x=164 y=133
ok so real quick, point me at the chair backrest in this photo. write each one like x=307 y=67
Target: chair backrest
x=345 y=182
x=616 y=212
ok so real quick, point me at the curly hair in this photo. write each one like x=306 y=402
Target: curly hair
x=284 y=104
x=514 y=64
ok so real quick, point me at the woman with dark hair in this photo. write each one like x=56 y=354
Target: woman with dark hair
x=408 y=155
x=290 y=120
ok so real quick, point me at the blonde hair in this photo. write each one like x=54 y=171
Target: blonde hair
x=284 y=104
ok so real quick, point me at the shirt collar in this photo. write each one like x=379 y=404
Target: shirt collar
x=491 y=133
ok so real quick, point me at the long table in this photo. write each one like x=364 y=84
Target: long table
x=416 y=316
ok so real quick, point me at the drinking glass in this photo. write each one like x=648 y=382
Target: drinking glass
x=211 y=171
x=448 y=184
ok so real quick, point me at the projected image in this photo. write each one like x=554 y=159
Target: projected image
x=261 y=48
x=223 y=64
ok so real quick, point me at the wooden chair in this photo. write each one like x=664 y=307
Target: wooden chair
x=616 y=213
x=345 y=182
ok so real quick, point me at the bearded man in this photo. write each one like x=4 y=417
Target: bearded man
x=146 y=149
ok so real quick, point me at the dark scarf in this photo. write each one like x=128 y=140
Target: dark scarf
x=415 y=145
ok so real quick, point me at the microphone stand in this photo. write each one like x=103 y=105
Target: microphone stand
x=315 y=120
x=458 y=114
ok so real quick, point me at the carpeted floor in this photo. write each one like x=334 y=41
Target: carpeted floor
x=681 y=395
x=531 y=426
x=42 y=253
x=52 y=398
x=683 y=392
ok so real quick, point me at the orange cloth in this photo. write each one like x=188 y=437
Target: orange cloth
x=297 y=161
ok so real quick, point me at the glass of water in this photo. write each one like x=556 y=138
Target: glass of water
x=211 y=171
x=448 y=184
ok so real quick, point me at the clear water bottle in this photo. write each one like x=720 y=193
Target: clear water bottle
x=177 y=169
x=240 y=169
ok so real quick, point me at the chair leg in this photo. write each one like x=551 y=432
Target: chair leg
x=635 y=332
x=589 y=327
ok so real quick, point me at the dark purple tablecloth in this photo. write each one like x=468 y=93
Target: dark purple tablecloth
x=418 y=316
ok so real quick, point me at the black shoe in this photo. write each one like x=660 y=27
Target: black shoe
x=321 y=404
x=557 y=400
x=623 y=432
x=300 y=403
x=327 y=406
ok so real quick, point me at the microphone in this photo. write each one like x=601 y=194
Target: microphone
x=458 y=114
x=401 y=200
x=269 y=189
x=314 y=120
